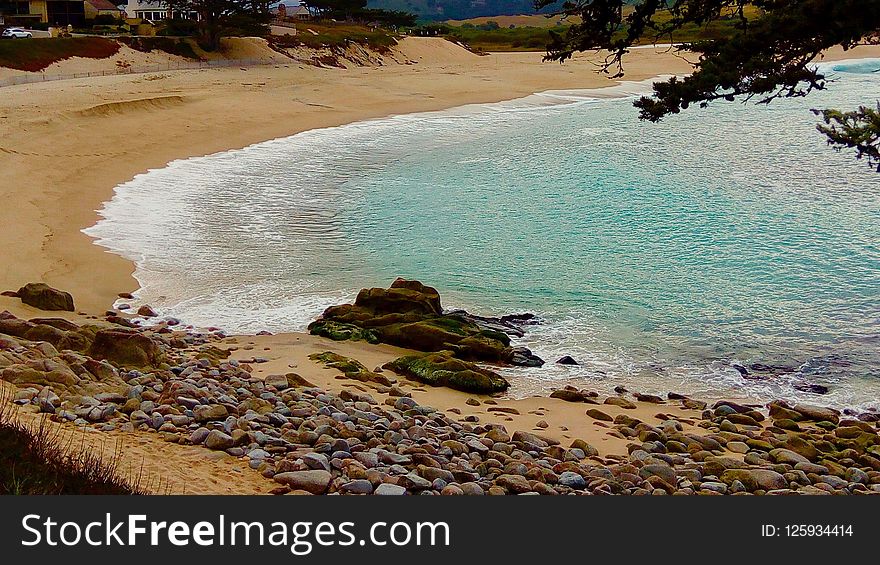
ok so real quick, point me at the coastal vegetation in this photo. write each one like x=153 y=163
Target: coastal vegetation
x=336 y=35
x=179 y=46
x=222 y=18
x=535 y=32
x=490 y=36
x=438 y=10
x=37 y=54
x=767 y=53
x=39 y=459
x=357 y=11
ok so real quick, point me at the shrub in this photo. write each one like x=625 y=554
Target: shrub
x=170 y=45
x=105 y=20
x=35 y=459
x=179 y=27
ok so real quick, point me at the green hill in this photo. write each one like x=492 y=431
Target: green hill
x=458 y=9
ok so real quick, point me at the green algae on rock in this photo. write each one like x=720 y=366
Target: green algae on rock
x=409 y=314
x=442 y=369
x=339 y=331
x=351 y=368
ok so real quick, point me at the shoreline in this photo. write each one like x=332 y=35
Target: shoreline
x=196 y=419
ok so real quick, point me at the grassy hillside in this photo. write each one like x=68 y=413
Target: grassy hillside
x=532 y=32
x=503 y=39
x=522 y=20
x=35 y=459
x=438 y=10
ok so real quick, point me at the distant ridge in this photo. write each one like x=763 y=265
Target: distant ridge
x=465 y=9
x=458 y=9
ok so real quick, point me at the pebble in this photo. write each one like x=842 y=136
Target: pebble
x=599 y=415
x=387 y=489
x=737 y=447
x=572 y=480
x=314 y=481
x=358 y=486
x=218 y=440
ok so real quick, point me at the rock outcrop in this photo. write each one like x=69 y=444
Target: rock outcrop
x=126 y=347
x=442 y=369
x=409 y=314
x=69 y=358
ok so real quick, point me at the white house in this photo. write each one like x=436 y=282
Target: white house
x=151 y=10
x=293 y=11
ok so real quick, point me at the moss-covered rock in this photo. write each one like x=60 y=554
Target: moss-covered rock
x=351 y=368
x=409 y=314
x=213 y=354
x=436 y=334
x=485 y=345
x=442 y=369
x=340 y=331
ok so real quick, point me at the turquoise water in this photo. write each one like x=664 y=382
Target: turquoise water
x=657 y=254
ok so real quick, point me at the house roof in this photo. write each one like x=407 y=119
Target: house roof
x=104 y=5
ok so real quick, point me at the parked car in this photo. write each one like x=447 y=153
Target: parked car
x=16 y=33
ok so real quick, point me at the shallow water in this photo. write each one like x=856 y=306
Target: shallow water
x=657 y=254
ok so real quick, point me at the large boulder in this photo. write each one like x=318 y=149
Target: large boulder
x=44 y=297
x=442 y=369
x=403 y=296
x=817 y=413
x=126 y=348
x=409 y=314
x=40 y=373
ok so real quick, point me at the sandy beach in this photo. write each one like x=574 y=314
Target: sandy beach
x=65 y=145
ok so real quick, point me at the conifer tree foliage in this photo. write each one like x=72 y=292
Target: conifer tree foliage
x=770 y=53
x=218 y=18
